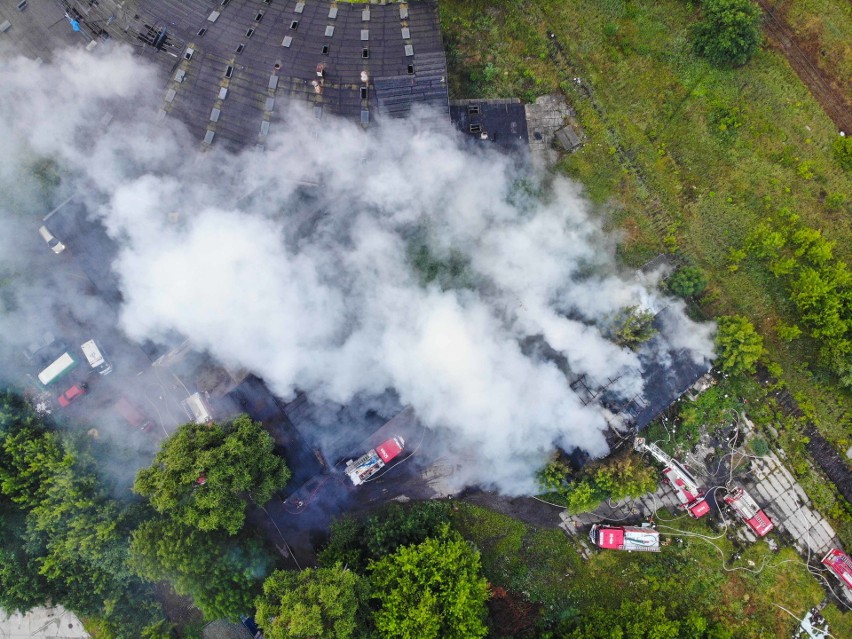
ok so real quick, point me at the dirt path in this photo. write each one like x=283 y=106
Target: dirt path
x=833 y=101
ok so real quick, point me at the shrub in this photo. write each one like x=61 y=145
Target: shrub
x=843 y=152
x=729 y=32
x=687 y=281
x=738 y=345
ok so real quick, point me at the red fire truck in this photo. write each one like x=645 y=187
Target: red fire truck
x=361 y=469
x=749 y=511
x=642 y=539
x=679 y=478
x=840 y=564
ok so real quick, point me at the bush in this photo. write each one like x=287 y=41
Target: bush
x=843 y=152
x=687 y=281
x=433 y=590
x=738 y=345
x=729 y=32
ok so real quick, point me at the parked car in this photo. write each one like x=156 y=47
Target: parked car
x=133 y=415
x=77 y=390
x=55 y=245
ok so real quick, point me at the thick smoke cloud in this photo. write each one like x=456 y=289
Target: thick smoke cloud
x=298 y=261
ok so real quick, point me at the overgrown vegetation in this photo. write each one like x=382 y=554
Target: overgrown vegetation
x=819 y=285
x=738 y=345
x=617 y=477
x=729 y=31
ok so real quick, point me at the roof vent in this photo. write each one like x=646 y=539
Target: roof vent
x=22 y=5
x=325 y=49
x=473 y=109
x=202 y=31
x=259 y=16
x=249 y=33
x=294 y=24
x=410 y=68
x=229 y=71
x=240 y=47
x=365 y=53
x=363 y=93
x=475 y=128
x=187 y=55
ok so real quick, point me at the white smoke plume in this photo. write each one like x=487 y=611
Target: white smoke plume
x=314 y=288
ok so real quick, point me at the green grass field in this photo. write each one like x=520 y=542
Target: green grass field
x=680 y=155
x=825 y=25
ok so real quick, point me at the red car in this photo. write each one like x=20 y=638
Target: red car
x=77 y=390
x=133 y=415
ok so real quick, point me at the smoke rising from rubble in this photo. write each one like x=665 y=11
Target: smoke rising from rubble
x=315 y=287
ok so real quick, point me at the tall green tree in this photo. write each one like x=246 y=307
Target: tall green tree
x=633 y=327
x=21 y=586
x=354 y=541
x=687 y=281
x=738 y=345
x=64 y=535
x=625 y=476
x=204 y=475
x=223 y=575
x=322 y=603
x=433 y=590
x=728 y=33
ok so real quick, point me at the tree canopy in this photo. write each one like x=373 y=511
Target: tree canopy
x=432 y=590
x=633 y=327
x=354 y=542
x=687 y=281
x=203 y=474
x=728 y=33
x=322 y=603
x=64 y=535
x=738 y=345
x=220 y=573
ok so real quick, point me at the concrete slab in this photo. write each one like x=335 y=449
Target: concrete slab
x=42 y=623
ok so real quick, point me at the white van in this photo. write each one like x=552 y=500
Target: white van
x=96 y=358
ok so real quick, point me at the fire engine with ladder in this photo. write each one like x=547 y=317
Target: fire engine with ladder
x=748 y=510
x=363 y=468
x=678 y=477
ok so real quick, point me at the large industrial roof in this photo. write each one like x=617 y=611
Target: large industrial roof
x=231 y=66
